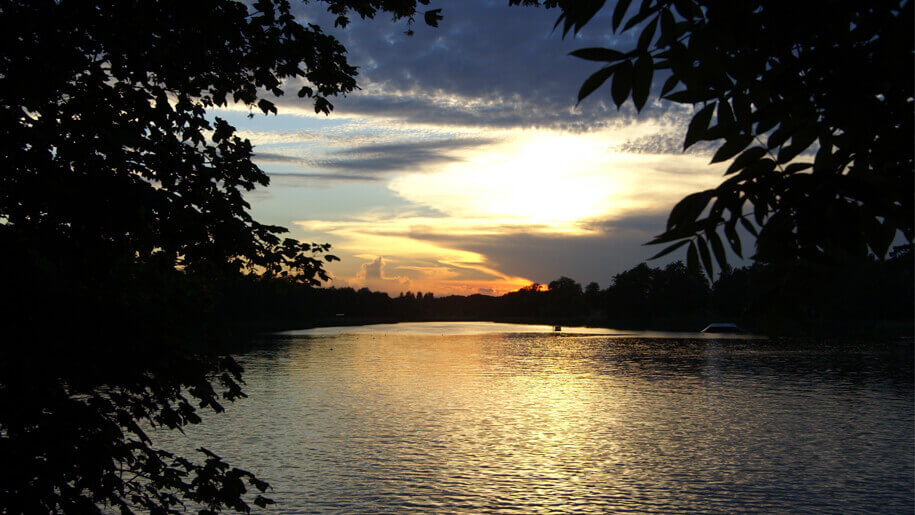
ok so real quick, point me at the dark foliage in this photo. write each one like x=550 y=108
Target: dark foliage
x=121 y=214
x=874 y=296
x=812 y=103
x=670 y=297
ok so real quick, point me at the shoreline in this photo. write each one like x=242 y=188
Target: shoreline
x=837 y=330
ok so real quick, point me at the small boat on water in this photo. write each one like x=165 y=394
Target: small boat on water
x=722 y=327
x=557 y=328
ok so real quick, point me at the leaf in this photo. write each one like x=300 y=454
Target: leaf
x=266 y=106
x=647 y=35
x=823 y=161
x=717 y=248
x=692 y=258
x=619 y=12
x=577 y=14
x=432 y=17
x=668 y=27
x=622 y=83
x=641 y=86
x=560 y=19
x=686 y=8
x=779 y=136
x=641 y=16
x=760 y=210
x=886 y=232
x=797 y=167
x=698 y=125
x=262 y=501
x=742 y=109
x=209 y=453
x=322 y=105
x=669 y=249
x=748 y=225
x=598 y=54
x=725 y=114
x=748 y=156
x=595 y=80
x=753 y=171
x=692 y=96
x=670 y=236
x=704 y=254
x=670 y=84
x=766 y=121
x=800 y=141
x=687 y=210
x=731 y=147
x=259 y=484
x=730 y=232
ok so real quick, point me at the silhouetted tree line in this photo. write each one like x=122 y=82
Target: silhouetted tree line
x=122 y=215
x=761 y=297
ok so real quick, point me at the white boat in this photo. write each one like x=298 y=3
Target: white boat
x=722 y=327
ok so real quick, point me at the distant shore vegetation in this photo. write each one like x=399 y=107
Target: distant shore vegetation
x=869 y=297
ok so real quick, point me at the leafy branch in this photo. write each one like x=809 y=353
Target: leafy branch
x=796 y=76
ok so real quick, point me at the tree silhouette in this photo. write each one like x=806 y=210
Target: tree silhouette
x=121 y=210
x=812 y=103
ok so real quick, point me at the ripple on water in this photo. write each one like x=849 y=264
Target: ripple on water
x=517 y=422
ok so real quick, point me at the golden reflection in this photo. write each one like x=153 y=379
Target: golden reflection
x=518 y=408
x=548 y=422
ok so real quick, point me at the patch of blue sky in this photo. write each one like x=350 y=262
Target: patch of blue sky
x=288 y=199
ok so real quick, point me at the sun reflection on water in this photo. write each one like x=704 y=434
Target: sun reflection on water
x=546 y=422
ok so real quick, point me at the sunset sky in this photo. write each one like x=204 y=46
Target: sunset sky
x=463 y=165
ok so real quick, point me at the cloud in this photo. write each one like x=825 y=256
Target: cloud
x=431 y=146
x=309 y=178
x=372 y=275
x=267 y=157
x=401 y=156
x=486 y=65
x=544 y=257
x=367 y=162
x=429 y=275
x=666 y=143
x=556 y=181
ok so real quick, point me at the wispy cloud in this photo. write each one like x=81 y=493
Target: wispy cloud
x=323 y=177
x=366 y=162
x=666 y=143
x=401 y=156
x=269 y=157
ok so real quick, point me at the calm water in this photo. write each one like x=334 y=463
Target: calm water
x=492 y=417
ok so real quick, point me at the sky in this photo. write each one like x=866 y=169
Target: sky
x=463 y=164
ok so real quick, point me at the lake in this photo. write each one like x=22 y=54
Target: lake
x=471 y=417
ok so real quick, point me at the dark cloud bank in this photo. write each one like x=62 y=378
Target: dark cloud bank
x=487 y=65
x=373 y=162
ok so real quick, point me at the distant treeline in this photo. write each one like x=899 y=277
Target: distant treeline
x=803 y=299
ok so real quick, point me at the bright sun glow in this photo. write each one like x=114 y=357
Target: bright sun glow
x=548 y=180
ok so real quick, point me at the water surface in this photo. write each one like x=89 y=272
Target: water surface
x=500 y=417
